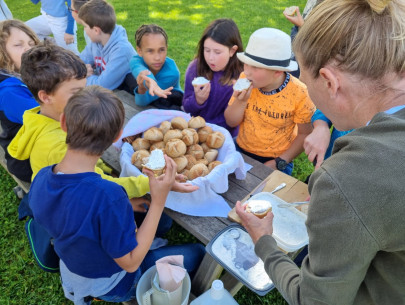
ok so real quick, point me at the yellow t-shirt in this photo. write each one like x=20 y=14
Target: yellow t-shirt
x=270 y=121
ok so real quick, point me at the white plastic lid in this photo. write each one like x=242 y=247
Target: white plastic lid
x=217 y=289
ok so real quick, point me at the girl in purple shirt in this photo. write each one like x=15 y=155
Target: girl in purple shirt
x=217 y=62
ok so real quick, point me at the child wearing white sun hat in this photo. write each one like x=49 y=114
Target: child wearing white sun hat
x=275 y=112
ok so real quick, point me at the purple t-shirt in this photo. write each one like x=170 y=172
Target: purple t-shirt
x=213 y=108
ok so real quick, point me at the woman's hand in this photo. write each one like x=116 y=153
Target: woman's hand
x=202 y=93
x=255 y=226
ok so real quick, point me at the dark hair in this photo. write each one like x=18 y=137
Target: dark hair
x=148 y=29
x=5 y=31
x=225 y=32
x=94 y=118
x=98 y=13
x=46 y=66
x=79 y=3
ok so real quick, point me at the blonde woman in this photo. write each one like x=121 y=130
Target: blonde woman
x=352 y=58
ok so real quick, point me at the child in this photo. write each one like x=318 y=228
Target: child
x=102 y=253
x=15 y=98
x=215 y=61
x=74 y=9
x=53 y=75
x=4 y=11
x=153 y=70
x=57 y=20
x=275 y=112
x=107 y=57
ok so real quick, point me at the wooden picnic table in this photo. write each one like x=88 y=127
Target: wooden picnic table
x=205 y=228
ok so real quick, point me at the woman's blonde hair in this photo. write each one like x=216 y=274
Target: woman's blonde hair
x=5 y=31
x=362 y=37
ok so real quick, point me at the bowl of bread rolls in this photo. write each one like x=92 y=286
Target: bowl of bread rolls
x=192 y=144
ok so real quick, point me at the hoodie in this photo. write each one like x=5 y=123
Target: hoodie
x=15 y=98
x=42 y=140
x=110 y=62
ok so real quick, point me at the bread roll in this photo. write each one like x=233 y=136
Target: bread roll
x=139 y=157
x=215 y=140
x=196 y=151
x=203 y=133
x=153 y=134
x=165 y=126
x=158 y=145
x=190 y=136
x=260 y=208
x=191 y=161
x=205 y=147
x=196 y=122
x=140 y=143
x=185 y=172
x=181 y=163
x=179 y=123
x=213 y=164
x=175 y=148
x=198 y=170
x=290 y=11
x=156 y=162
x=203 y=161
x=211 y=155
x=172 y=134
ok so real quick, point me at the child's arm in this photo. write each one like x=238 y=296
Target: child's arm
x=159 y=187
x=296 y=147
x=317 y=142
x=189 y=99
x=148 y=90
x=69 y=37
x=235 y=111
x=115 y=70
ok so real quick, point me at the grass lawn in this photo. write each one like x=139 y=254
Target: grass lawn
x=21 y=281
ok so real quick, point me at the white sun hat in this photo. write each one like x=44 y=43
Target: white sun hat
x=270 y=49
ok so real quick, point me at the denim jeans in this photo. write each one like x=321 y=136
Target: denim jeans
x=193 y=254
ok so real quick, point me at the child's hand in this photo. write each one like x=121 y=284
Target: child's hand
x=296 y=18
x=160 y=186
x=272 y=164
x=89 y=70
x=243 y=96
x=202 y=93
x=140 y=78
x=154 y=88
x=184 y=187
x=138 y=204
x=317 y=142
x=68 y=38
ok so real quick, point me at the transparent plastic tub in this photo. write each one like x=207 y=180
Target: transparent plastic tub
x=289 y=228
x=233 y=249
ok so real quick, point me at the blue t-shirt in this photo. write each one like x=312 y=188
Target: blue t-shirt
x=90 y=218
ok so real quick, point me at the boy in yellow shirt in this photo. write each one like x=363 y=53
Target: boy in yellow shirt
x=275 y=112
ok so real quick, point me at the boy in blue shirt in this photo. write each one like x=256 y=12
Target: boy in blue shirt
x=102 y=253
x=57 y=20
x=107 y=57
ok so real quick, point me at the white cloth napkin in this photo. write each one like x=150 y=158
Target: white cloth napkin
x=205 y=201
x=171 y=272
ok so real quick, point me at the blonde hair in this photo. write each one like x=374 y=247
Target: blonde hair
x=362 y=37
x=6 y=62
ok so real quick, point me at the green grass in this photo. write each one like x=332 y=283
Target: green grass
x=21 y=281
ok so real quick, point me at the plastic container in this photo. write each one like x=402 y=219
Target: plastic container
x=289 y=228
x=217 y=295
x=233 y=249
